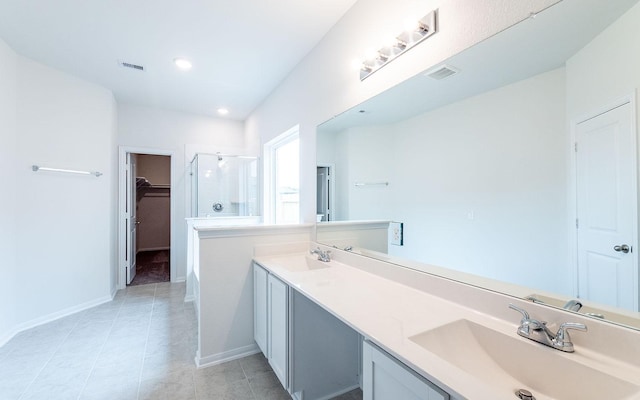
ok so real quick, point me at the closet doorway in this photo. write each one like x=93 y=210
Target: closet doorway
x=145 y=217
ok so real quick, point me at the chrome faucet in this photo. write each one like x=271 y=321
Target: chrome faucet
x=539 y=332
x=572 y=305
x=323 y=255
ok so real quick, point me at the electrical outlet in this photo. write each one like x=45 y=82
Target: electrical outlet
x=396 y=233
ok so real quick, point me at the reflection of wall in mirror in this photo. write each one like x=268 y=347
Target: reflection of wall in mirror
x=497 y=154
x=483 y=184
x=355 y=235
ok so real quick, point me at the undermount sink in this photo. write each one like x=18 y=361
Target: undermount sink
x=512 y=363
x=300 y=262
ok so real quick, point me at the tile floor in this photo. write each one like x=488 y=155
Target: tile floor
x=140 y=346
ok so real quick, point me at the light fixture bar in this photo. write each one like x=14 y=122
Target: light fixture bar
x=425 y=27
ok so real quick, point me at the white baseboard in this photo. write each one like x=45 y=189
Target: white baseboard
x=52 y=317
x=189 y=298
x=203 y=362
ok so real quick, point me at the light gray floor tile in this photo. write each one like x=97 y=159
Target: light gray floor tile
x=13 y=385
x=222 y=374
x=50 y=391
x=81 y=359
x=163 y=364
x=255 y=364
x=105 y=312
x=117 y=364
x=266 y=386
x=101 y=385
x=69 y=376
x=24 y=364
x=176 y=386
x=140 y=346
x=118 y=391
x=238 y=390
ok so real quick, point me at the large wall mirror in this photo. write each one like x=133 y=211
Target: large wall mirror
x=481 y=167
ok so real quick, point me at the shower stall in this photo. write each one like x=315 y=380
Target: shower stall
x=224 y=186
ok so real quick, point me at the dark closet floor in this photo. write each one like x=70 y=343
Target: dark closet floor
x=152 y=267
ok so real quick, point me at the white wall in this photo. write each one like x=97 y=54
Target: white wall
x=225 y=285
x=9 y=200
x=182 y=133
x=157 y=169
x=64 y=254
x=325 y=84
x=500 y=156
x=607 y=68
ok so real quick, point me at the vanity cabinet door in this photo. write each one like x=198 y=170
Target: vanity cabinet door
x=260 y=308
x=278 y=332
x=385 y=378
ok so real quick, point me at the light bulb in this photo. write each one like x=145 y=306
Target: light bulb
x=182 y=63
x=410 y=24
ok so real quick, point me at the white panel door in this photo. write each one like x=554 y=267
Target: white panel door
x=607 y=209
x=260 y=308
x=278 y=332
x=131 y=221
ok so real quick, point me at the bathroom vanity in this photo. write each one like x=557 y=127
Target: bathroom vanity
x=327 y=327
x=300 y=339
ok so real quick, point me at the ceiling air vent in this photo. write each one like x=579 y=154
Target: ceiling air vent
x=130 y=65
x=442 y=72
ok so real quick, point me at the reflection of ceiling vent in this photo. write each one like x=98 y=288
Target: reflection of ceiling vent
x=442 y=72
x=129 y=65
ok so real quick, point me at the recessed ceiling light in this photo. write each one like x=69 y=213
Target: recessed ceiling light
x=223 y=111
x=182 y=63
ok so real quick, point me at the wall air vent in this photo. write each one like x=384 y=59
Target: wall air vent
x=125 y=64
x=442 y=72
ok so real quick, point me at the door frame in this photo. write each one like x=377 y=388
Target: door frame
x=121 y=271
x=573 y=185
x=332 y=188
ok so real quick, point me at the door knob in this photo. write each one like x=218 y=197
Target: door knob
x=622 y=248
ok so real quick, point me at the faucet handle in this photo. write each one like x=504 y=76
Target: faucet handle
x=525 y=314
x=563 y=340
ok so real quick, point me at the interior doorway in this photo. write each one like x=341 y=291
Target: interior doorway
x=145 y=217
x=324 y=193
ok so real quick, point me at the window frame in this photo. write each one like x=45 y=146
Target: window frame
x=270 y=172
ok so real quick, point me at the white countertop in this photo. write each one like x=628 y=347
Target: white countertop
x=389 y=313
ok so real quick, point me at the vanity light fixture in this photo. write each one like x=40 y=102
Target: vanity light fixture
x=408 y=39
x=182 y=63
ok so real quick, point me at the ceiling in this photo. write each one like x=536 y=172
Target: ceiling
x=241 y=49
